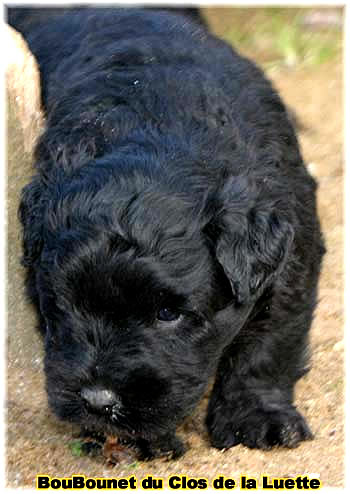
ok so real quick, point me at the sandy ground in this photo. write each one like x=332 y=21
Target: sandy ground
x=38 y=443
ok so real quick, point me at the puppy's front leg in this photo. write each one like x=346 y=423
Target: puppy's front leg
x=252 y=399
x=168 y=446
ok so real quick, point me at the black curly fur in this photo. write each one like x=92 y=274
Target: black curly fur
x=168 y=177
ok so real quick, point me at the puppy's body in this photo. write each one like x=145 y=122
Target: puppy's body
x=170 y=232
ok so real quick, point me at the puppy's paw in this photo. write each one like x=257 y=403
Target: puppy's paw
x=259 y=429
x=169 y=448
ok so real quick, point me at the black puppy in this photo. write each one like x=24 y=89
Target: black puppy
x=170 y=232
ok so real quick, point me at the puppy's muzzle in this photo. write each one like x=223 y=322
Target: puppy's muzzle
x=100 y=400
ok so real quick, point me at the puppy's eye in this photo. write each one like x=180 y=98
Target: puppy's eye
x=167 y=315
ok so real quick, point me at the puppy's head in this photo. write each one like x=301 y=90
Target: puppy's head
x=141 y=290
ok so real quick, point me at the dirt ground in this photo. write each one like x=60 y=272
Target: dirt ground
x=38 y=443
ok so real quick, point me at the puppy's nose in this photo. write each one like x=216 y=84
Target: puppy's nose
x=100 y=399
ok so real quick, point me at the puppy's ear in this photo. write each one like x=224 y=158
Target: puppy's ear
x=253 y=238
x=30 y=214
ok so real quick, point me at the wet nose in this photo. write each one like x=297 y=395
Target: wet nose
x=100 y=399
